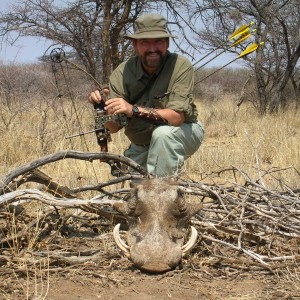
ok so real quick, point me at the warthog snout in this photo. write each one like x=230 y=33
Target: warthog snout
x=157 y=215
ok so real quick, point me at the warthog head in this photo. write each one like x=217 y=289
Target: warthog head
x=156 y=213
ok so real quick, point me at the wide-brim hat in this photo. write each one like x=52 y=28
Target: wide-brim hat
x=150 y=26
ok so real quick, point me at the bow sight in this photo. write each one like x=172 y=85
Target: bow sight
x=103 y=134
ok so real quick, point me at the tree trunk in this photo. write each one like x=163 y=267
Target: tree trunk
x=278 y=100
x=261 y=85
x=279 y=97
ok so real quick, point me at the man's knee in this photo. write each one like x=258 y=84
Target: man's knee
x=162 y=132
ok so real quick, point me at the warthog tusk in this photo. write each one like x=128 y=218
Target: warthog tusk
x=191 y=242
x=120 y=243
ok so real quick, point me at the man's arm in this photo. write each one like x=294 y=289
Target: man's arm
x=119 y=105
x=174 y=118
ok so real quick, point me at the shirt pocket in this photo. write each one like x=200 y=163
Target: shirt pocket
x=160 y=100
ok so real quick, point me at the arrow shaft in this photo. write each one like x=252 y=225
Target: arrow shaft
x=210 y=60
x=243 y=36
x=246 y=52
x=202 y=79
x=209 y=53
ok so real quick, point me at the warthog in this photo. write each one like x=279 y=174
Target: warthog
x=157 y=214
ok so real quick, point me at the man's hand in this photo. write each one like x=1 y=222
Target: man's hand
x=95 y=97
x=118 y=106
x=112 y=106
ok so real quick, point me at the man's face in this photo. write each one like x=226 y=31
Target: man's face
x=152 y=52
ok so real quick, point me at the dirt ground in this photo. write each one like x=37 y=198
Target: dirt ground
x=140 y=286
x=132 y=284
x=113 y=277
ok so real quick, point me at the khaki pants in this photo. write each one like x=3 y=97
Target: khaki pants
x=170 y=146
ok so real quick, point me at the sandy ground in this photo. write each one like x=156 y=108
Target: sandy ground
x=118 y=279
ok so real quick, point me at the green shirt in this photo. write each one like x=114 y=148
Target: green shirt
x=171 y=87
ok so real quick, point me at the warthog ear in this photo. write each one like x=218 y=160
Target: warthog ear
x=128 y=207
x=186 y=209
x=180 y=203
x=132 y=201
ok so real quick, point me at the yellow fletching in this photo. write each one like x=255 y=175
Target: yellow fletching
x=241 y=30
x=249 y=50
x=238 y=31
x=242 y=38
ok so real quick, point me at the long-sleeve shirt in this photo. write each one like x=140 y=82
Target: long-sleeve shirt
x=172 y=86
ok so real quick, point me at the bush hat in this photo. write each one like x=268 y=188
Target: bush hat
x=150 y=26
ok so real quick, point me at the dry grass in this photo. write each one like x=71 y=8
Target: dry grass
x=247 y=141
x=244 y=139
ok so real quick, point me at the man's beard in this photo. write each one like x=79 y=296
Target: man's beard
x=153 y=62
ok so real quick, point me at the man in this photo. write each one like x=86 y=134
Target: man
x=154 y=89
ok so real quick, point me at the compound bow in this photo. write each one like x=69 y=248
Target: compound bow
x=103 y=135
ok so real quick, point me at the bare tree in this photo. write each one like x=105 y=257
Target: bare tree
x=277 y=24
x=92 y=30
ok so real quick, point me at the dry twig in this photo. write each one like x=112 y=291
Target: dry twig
x=241 y=224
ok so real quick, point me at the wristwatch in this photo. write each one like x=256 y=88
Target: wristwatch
x=135 y=110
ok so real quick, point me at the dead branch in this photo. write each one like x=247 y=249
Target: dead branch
x=34 y=194
x=245 y=224
x=7 y=181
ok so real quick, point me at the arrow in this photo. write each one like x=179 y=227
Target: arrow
x=241 y=30
x=236 y=34
x=242 y=38
x=250 y=49
x=246 y=52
